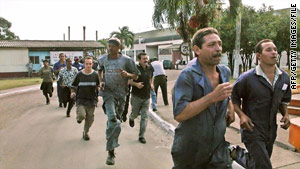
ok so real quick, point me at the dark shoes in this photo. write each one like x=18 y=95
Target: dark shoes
x=114 y=119
x=110 y=158
x=142 y=140
x=68 y=115
x=65 y=105
x=60 y=104
x=131 y=123
x=154 y=109
x=50 y=94
x=48 y=102
x=124 y=118
x=85 y=136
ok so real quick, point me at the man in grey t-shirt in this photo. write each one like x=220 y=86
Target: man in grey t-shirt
x=114 y=71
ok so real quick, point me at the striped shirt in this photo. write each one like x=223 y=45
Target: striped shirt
x=87 y=88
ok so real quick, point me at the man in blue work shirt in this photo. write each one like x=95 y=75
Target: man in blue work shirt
x=77 y=64
x=200 y=99
x=56 y=68
x=264 y=90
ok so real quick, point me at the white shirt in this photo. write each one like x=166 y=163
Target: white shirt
x=158 y=68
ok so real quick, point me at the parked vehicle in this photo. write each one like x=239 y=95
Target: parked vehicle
x=167 y=64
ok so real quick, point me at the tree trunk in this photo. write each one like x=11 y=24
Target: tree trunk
x=230 y=61
x=190 y=49
x=250 y=59
x=279 y=58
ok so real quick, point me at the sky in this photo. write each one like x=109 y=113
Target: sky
x=49 y=19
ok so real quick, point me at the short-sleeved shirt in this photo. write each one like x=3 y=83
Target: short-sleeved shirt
x=87 y=88
x=197 y=138
x=114 y=83
x=46 y=74
x=260 y=101
x=68 y=76
x=145 y=77
x=57 y=66
x=29 y=65
x=158 y=68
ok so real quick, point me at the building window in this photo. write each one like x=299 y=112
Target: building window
x=165 y=51
x=35 y=59
x=139 y=51
x=48 y=58
x=130 y=53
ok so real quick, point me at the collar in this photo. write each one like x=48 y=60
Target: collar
x=260 y=72
x=196 y=67
x=142 y=66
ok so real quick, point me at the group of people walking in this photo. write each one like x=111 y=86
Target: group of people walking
x=115 y=73
x=204 y=102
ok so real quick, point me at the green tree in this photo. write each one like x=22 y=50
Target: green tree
x=104 y=43
x=282 y=40
x=126 y=37
x=227 y=33
x=5 y=33
x=248 y=35
x=186 y=16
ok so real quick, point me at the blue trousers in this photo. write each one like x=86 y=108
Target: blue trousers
x=153 y=99
x=113 y=107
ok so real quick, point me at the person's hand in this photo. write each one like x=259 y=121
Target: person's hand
x=286 y=122
x=124 y=74
x=72 y=95
x=139 y=85
x=246 y=123
x=102 y=85
x=229 y=118
x=221 y=92
x=152 y=87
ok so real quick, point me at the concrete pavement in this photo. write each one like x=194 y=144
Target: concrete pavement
x=34 y=135
x=283 y=155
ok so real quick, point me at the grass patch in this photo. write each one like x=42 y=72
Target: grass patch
x=18 y=82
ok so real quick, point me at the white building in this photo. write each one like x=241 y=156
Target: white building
x=163 y=44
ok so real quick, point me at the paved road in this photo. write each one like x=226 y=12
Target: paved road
x=34 y=135
x=38 y=136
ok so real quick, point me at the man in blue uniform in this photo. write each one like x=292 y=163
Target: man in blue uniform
x=263 y=90
x=56 y=68
x=200 y=99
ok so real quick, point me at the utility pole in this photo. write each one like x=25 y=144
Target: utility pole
x=236 y=52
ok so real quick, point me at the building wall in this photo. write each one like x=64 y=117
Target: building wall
x=13 y=60
x=41 y=56
x=155 y=33
x=152 y=51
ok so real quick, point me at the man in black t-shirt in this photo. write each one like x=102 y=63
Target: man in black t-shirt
x=141 y=94
x=87 y=82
